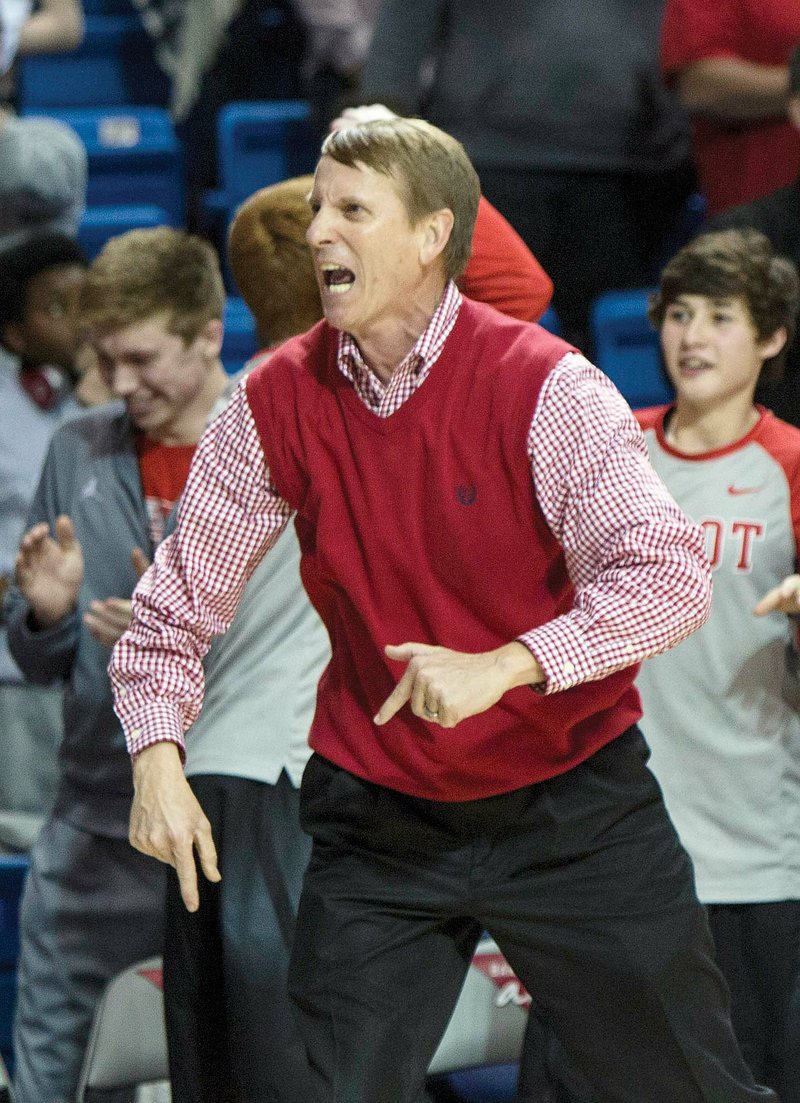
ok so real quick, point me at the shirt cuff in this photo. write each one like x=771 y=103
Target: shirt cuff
x=560 y=650
x=157 y=722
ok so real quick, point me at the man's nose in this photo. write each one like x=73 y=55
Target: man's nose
x=320 y=230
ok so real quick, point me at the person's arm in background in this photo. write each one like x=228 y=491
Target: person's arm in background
x=404 y=37
x=56 y=26
x=338 y=31
x=42 y=608
x=734 y=89
x=701 y=54
x=502 y=271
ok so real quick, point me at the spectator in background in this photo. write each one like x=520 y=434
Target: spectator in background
x=40 y=282
x=777 y=215
x=42 y=177
x=337 y=38
x=724 y=731
x=43 y=27
x=153 y=304
x=563 y=111
x=728 y=61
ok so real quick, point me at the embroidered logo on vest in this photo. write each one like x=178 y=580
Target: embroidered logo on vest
x=466 y=494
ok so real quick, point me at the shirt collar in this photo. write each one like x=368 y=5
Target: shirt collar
x=424 y=353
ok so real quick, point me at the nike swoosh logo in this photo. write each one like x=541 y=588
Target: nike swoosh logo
x=744 y=489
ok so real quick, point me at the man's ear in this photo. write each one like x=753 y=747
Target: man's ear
x=438 y=227
x=13 y=338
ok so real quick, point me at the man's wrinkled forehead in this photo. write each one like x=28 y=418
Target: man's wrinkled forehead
x=341 y=177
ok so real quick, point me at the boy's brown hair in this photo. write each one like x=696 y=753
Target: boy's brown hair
x=154 y=271
x=271 y=262
x=735 y=264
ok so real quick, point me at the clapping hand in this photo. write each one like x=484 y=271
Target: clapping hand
x=784 y=598
x=49 y=570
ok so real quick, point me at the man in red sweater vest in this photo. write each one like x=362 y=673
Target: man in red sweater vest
x=492 y=555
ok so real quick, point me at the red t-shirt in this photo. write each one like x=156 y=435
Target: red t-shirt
x=502 y=271
x=741 y=161
x=163 y=469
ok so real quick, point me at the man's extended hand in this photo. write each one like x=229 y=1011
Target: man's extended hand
x=108 y=620
x=445 y=687
x=49 y=571
x=167 y=821
x=784 y=598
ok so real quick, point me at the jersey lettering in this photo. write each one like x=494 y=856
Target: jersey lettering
x=744 y=533
x=748 y=532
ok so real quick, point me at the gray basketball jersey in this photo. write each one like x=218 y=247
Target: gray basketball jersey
x=720 y=708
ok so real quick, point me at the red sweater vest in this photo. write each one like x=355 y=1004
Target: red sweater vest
x=424 y=526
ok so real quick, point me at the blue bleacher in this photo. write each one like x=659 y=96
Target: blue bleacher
x=551 y=321
x=98 y=224
x=134 y=157
x=107 y=7
x=13 y=869
x=259 y=143
x=113 y=66
x=626 y=347
x=240 y=340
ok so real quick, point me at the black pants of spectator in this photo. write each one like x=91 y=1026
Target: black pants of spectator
x=230 y=1027
x=591 y=231
x=584 y=885
x=758 y=951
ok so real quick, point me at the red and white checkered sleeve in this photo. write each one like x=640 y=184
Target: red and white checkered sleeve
x=641 y=576
x=229 y=517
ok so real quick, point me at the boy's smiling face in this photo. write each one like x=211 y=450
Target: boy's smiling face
x=711 y=348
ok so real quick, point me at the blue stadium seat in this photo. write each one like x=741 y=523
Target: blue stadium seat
x=240 y=340
x=551 y=321
x=134 y=157
x=107 y=7
x=258 y=143
x=114 y=65
x=626 y=347
x=98 y=224
x=13 y=869
x=262 y=143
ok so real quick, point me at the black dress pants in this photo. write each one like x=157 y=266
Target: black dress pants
x=758 y=951
x=230 y=1026
x=585 y=887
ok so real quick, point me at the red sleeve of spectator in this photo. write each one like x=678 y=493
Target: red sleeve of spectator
x=502 y=271
x=692 y=31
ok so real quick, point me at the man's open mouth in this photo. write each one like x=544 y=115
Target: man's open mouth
x=338 y=279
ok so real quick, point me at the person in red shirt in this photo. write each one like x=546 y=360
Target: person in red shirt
x=492 y=556
x=729 y=63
